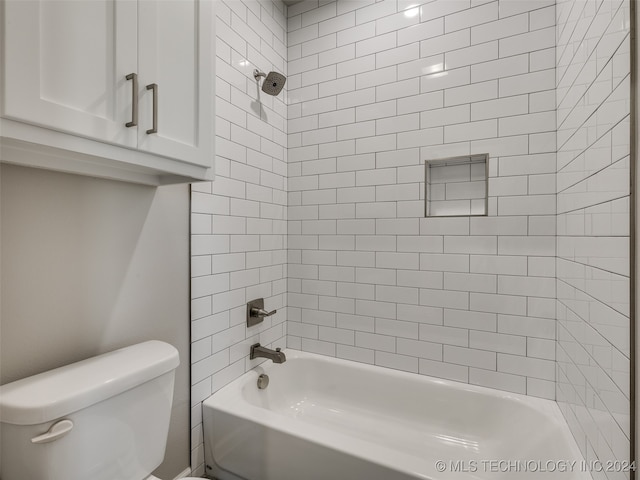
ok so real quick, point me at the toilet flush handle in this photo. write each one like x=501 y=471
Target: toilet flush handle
x=57 y=430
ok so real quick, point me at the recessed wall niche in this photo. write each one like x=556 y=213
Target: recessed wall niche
x=456 y=186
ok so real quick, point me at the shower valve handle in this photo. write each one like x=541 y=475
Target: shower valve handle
x=260 y=312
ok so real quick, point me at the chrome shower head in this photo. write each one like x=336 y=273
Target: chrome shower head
x=273 y=82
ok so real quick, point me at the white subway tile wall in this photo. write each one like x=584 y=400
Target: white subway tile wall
x=318 y=201
x=238 y=222
x=377 y=88
x=593 y=257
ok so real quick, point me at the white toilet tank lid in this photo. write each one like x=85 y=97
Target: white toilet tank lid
x=56 y=393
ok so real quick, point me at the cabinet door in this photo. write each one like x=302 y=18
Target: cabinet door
x=66 y=63
x=175 y=53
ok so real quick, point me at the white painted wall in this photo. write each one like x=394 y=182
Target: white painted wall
x=89 y=266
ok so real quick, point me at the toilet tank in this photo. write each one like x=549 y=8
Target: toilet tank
x=104 y=418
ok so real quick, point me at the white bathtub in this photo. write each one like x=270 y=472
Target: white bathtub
x=329 y=419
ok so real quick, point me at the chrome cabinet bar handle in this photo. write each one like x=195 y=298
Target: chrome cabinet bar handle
x=154 y=87
x=134 y=100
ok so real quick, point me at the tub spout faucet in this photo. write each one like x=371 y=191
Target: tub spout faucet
x=258 y=351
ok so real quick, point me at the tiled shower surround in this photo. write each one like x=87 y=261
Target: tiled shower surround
x=375 y=89
x=238 y=222
x=318 y=203
x=593 y=350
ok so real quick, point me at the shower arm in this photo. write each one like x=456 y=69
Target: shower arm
x=257 y=74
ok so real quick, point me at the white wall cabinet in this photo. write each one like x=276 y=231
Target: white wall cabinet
x=112 y=88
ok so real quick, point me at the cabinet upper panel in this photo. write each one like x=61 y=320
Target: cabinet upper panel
x=113 y=88
x=66 y=63
x=174 y=36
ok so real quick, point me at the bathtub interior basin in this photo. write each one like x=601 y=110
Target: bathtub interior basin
x=322 y=417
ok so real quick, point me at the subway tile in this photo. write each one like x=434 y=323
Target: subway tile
x=498 y=342
x=469 y=357
x=356 y=130
x=400 y=89
x=444 y=262
x=420 y=138
x=458 y=373
x=470 y=131
x=357 y=354
x=505 y=27
x=375 y=11
x=355 y=66
x=441 y=8
x=321 y=44
x=319 y=347
x=419 y=349
x=541 y=348
x=398 y=21
x=531 y=123
x=471 y=55
x=526 y=42
x=500 y=68
x=395 y=361
x=376 y=44
x=431 y=244
x=378 y=143
x=318 y=15
x=422 y=31
x=375 y=342
x=421 y=279
x=354 y=99
x=498 y=380
x=420 y=314
x=398 y=55
x=529 y=205
x=355 y=322
x=471 y=17
x=515 y=245
x=439 y=81
x=302 y=35
x=337 y=23
x=470 y=320
x=396 y=328
x=508 y=9
x=527 y=83
x=444 y=335
x=336 y=335
x=336 y=117
x=383 y=176
x=445 y=43
x=470 y=245
x=527 y=326
x=444 y=298
x=526 y=366
x=470 y=282
x=355 y=34
x=507 y=304
x=385 y=193
x=445 y=116
x=387 y=293
x=498 y=264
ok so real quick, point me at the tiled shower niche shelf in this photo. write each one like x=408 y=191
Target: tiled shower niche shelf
x=456 y=186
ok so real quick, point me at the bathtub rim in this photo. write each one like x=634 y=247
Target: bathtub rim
x=226 y=400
